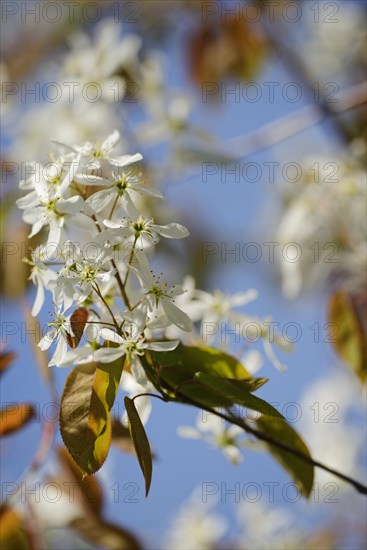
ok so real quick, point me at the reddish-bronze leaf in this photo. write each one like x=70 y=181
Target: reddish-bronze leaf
x=6 y=359
x=78 y=321
x=121 y=437
x=13 y=534
x=89 y=488
x=14 y=417
x=105 y=535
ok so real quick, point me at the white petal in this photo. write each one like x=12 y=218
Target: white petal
x=110 y=142
x=242 y=298
x=176 y=315
x=107 y=355
x=148 y=191
x=125 y=160
x=60 y=352
x=85 y=178
x=28 y=201
x=64 y=145
x=41 y=186
x=163 y=346
x=99 y=200
x=108 y=334
x=71 y=205
x=55 y=232
x=83 y=223
x=77 y=356
x=36 y=228
x=74 y=164
x=233 y=454
x=47 y=340
x=138 y=372
x=210 y=423
x=39 y=300
x=171 y=230
x=272 y=357
x=112 y=225
x=143 y=262
x=188 y=432
x=129 y=206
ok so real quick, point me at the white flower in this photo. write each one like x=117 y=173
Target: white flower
x=46 y=205
x=59 y=327
x=324 y=218
x=42 y=276
x=328 y=57
x=196 y=527
x=169 y=117
x=141 y=227
x=120 y=190
x=216 y=306
x=214 y=431
x=159 y=293
x=329 y=404
x=131 y=344
x=84 y=271
x=97 y=60
x=98 y=159
x=253 y=361
x=278 y=527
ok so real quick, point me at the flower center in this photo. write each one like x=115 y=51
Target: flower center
x=51 y=205
x=97 y=153
x=58 y=322
x=89 y=274
x=139 y=227
x=122 y=185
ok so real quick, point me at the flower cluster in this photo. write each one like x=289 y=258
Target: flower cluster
x=91 y=192
x=102 y=76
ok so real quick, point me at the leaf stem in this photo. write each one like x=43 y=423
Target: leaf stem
x=130 y=260
x=150 y=395
x=117 y=274
x=115 y=323
x=121 y=286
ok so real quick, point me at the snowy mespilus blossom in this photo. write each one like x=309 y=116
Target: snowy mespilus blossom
x=110 y=306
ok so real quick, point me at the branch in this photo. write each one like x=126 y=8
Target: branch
x=290 y=125
x=264 y=437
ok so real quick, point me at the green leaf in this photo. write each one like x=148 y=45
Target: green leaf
x=85 y=421
x=252 y=384
x=347 y=334
x=194 y=390
x=237 y=393
x=188 y=360
x=279 y=430
x=141 y=442
x=173 y=374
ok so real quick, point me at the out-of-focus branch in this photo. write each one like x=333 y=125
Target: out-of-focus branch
x=279 y=130
x=295 y=65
